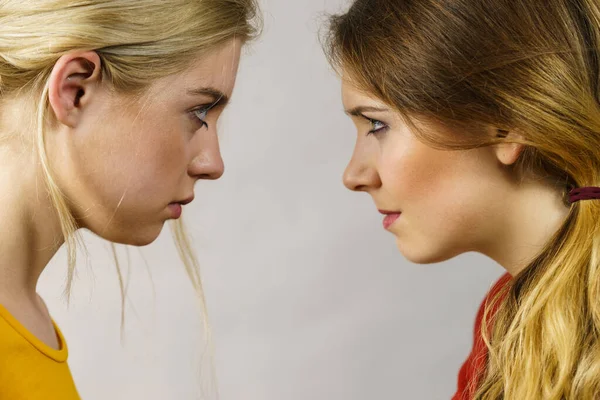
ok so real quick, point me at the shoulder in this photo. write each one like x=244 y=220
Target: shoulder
x=501 y=283
x=475 y=363
x=494 y=290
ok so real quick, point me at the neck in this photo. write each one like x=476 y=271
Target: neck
x=30 y=235
x=531 y=216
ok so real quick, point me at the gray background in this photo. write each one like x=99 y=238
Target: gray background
x=308 y=295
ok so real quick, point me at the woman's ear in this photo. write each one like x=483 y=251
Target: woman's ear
x=73 y=81
x=508 y=153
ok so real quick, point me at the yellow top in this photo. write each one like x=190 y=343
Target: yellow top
x=29 y=368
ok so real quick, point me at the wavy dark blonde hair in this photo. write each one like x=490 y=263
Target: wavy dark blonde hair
x=527 y=66
x=138 y=42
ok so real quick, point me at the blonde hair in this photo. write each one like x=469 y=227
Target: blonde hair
x=137 y=42
x=523 y=65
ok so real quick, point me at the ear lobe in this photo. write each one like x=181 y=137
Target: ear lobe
x=508 y=153
x=72 y=83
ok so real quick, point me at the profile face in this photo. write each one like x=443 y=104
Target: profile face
x=437 y=203
x=130 y=165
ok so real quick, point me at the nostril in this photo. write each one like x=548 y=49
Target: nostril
x=352 y=183
x=210 y=175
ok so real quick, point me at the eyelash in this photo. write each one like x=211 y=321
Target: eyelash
x=202 y=111
x=380 y=130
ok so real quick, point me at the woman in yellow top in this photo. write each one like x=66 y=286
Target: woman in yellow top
x=108 y=111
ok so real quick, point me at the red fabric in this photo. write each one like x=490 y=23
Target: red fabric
x=475 y=363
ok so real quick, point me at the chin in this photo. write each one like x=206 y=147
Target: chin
x=140 y=241
x=138 y=238
x=425 y=254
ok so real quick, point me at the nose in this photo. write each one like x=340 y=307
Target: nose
x=207 y=162
x=361 y=173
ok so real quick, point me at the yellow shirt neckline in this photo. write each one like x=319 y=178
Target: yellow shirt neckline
x=59 y=355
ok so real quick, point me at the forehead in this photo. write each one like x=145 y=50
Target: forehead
x=216 y=69
x=352 y=96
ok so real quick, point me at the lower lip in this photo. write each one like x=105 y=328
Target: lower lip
x=389 y=220
x=176 y=210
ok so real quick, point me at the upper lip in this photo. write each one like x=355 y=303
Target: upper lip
x=186 y=201
x=386 y=212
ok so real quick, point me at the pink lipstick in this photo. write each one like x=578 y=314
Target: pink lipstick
x=390 y=218
x=176 y=210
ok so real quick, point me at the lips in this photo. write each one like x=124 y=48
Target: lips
x=389 y=220
x=176 y=206
x=390 y=217
x=176 y=210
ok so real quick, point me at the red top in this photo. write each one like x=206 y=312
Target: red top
x=476 y=361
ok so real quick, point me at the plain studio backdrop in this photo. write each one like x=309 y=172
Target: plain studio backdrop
x=308 y=297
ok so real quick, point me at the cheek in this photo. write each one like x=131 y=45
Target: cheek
x=132 y=165
x=161 y=157
x=415 y=174
x=439 y=192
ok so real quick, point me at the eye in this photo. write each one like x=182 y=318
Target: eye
x=201 y=114
x=376 y=127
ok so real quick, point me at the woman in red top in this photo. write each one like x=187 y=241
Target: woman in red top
x=479 y=130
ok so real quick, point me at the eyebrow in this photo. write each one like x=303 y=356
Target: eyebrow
x=218 y=96
x=358 y=111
